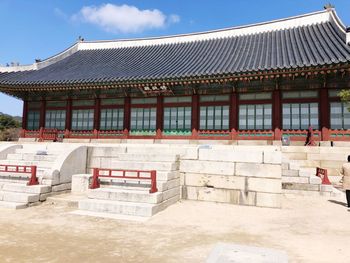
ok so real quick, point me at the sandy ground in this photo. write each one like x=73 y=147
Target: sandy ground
x=310 y=229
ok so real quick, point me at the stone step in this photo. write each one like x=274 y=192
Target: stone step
x=307 y=172
x=145 y=157
x=301 y=179
x=125 y=208
x=147 y=166
x=126 y=195
x=299 y=186
x=7 y=178
x=31 y=157
x=290 y=172
x=42 y=164
x=13 y=205
x=23 y=188
x=297 y=164
x=34 y=151
x=18 y=197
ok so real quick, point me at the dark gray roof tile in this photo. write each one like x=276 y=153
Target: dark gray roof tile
x=311 y=45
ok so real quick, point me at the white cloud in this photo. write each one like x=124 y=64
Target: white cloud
x=124 y=18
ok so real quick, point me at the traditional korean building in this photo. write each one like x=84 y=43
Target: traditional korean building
x=260 y=81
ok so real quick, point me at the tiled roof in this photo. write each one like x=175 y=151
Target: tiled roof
x=313 y=44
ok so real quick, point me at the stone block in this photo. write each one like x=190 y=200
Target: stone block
x=272 y=157
x=277 y=143
x=302 y=187
x=96 y=151
x=253 y=142
x=285 y=166
x=213 y=195
x=168 y=194
x=216 y=181
x=307 y=172
x=170 y=141
x=325 y=143
x=165 y=176
x=247 y=198
x=80 y=183
x=182 y=178
x=207 y=167
x=265 y=185
x=341 y=157
x=106 y=141
x=230 y=155
x=168 y=184
x=315 y=180
x=269 y=200
x=295 y=155
x=326 y=188
x=18 y=197
x=61 y=187
x=299 y=149
x=131 y=165
x=258 y=170
x=139 y=141
x=331 y=164
x=295 y=179
x=341 y=144
x=125 y=195
x=76 y=140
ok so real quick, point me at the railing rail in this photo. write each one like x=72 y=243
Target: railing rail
x=110 y=174
x=23 y=169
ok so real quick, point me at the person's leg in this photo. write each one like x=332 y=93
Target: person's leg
x=348 y=197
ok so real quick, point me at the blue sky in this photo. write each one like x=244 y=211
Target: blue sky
x=33 y=29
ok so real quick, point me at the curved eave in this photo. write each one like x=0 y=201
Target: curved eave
x=219 y=78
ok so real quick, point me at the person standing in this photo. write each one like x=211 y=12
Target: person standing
x=346 y=179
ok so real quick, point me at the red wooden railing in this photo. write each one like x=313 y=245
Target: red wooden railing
x=277 y=134
x=23 y=169
x=322 y=173
x=110 y=174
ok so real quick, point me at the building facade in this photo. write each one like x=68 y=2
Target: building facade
x=256 y=82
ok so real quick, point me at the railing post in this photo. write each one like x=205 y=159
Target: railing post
x=41 y=134
x=153 y=182
x=95 y=181
x=23 y=133
x=33 y=179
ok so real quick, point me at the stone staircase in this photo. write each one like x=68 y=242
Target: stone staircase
x=299 y=175
x=14 y=191
x=131 y=197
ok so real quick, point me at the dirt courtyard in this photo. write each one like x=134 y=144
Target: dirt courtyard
x=309 y=229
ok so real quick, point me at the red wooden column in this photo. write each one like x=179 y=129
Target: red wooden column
x=195 y=116
x=25 y=115
x=42 y=114
x=69 y=115
x=127 y=115
x=277 y=114
x=324 y=114
x=233 y=122
x=159 y=120
x=97 y=114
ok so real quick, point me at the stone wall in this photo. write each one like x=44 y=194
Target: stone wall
x=237 y=175
x=246 y=175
